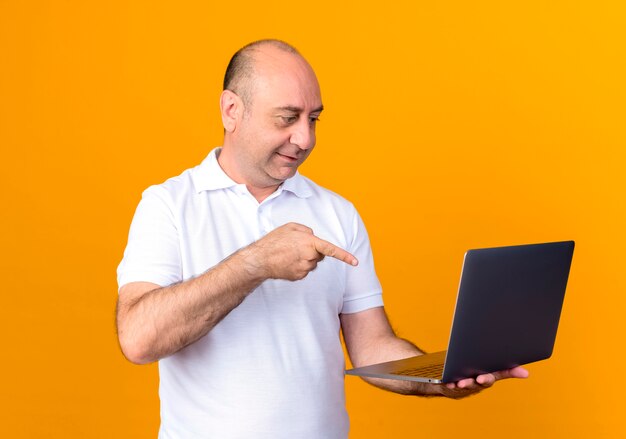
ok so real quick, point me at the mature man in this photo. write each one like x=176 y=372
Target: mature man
x=240 y=273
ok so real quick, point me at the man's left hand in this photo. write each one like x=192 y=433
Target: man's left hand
x=470 y=386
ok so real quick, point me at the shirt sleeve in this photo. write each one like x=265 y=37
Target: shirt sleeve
x=363 y=290
x=153 y=250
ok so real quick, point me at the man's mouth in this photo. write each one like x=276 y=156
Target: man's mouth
x=288 y=157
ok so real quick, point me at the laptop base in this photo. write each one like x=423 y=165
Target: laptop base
x=427 y=368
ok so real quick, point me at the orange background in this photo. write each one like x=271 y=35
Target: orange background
x=450 y=126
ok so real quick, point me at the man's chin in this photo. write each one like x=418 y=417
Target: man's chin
x=284 y=173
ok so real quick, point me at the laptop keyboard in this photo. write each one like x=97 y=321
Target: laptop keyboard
x=428 y=371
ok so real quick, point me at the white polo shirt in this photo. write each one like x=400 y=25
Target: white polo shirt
x=274 y=366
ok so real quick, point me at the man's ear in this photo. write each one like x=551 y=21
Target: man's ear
x=231 y=108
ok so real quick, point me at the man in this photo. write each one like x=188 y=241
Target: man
x=240 y=273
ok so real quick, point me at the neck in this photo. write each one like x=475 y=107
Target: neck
x=259 y=192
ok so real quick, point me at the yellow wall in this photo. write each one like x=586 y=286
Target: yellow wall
x=450 y=125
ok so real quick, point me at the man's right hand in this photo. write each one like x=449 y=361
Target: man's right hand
x=291 y=252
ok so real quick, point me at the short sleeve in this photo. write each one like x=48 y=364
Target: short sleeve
x=363 y=290
x=153 y=250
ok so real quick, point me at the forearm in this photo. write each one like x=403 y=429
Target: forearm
x=370 y=340
x=390 y=349
x=165 y=320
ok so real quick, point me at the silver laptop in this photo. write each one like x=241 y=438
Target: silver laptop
x=507 y=314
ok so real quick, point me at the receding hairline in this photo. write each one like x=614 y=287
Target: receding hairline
x=240 y=72
x=279 y=44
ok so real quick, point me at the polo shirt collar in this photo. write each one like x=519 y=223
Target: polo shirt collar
x=209 y=176
x=298 y=185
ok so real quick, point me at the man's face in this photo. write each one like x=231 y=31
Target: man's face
x=276 y=131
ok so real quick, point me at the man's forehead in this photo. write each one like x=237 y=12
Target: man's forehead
x=289 y=91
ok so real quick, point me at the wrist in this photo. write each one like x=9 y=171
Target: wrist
x=252 y=262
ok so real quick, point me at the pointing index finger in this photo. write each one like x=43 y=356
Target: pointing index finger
x=327 y=249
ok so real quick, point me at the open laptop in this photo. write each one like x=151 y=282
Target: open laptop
x=507 y=313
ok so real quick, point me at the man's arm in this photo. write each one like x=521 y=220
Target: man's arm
x=370 y=339
x=154 y=322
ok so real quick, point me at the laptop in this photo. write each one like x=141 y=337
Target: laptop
x=507 y=314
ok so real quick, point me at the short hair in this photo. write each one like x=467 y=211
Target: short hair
x=240 y=71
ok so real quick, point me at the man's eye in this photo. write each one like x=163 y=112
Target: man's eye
x=289 y=119
x=314 y=119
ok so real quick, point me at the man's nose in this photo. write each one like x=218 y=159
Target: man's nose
x=303 y=134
